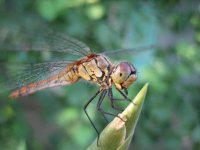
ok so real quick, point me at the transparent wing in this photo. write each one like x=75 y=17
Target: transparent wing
x=16 y=76
x=129 y=50
x=42 y=40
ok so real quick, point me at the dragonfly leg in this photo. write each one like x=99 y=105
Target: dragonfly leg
x=85 y=110
x=112 y=99
x=99 y=106
x=126 y=92
x=125 y=96
x=102 y=96
x=110 y=96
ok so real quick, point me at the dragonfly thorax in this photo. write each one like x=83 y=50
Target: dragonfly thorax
x=123 y=75
x=95 y=69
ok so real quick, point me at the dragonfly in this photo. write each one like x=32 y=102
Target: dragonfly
x=92 y=67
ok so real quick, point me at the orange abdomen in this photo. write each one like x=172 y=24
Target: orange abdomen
x=61 y=79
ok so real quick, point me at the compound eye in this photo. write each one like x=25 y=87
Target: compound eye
x=123 y=75
x=123 y=72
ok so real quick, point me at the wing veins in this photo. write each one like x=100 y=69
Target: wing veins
x=42 y=72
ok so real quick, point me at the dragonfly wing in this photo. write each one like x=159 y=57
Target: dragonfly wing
x=42 y=40
x=129 y=50
x=39 y=75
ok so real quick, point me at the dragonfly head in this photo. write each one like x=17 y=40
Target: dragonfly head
x=123 y=75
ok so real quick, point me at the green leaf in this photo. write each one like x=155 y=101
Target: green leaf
x=117 y=134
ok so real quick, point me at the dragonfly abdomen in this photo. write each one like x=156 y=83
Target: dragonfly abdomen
x=63 y=78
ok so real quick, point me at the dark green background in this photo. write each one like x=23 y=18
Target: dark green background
x=54 y=119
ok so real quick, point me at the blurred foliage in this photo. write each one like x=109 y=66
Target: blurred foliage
x=54 y=118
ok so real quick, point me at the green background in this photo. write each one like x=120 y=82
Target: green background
x=54 y=118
